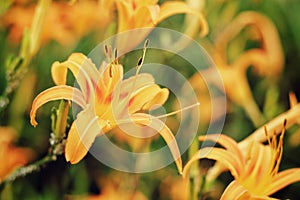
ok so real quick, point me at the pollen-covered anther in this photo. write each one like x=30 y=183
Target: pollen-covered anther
x=110 y=71
x=146 y=44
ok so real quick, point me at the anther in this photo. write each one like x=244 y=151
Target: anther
x=106 y=50
x=116 y=53
x=146 y=44
x=110 y=72
x=140 y=61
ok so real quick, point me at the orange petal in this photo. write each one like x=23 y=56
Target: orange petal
x=147 y=97
x=283 y=179
x=82 y=135
x=168 y=9
x=164 y=131
x=83 y=70
x=111 y=76
x=159 y=99
x=56 y=93
x=127 y=89
x=268 y=60
x=235 y=191
x=124 y=13
x=145 y=16
x=259 y=165
x=133 y=83
x=221 y=155
x=227 y=142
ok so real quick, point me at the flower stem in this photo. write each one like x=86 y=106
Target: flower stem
x=24 y=171
x=194 y=172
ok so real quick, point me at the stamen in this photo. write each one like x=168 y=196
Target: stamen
x=125 y=121
x=110 y=71
x=106 y=50
x=279 y=150
x=177 y=111
x=146 y=44
x=140 y=61
x=110 y=52
x=138 y=68
x=268 y=137
x=116 y=53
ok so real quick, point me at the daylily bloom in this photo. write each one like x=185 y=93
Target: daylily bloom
x=11 y=157
x=255 y=171
x=70 y=22
x=112 y=188
x=139 y=14
x=292 y=117
x=266 y=60
x=136 y=14
x=107 y=101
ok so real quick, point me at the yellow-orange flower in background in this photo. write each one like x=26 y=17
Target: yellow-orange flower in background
x=267 y=60
x=67 y=22
x=139 y=14
x=135 y=14
x=107 y=102
x=255 y=170
x=292 y=117
x=112 y=188
x=175 y=188
x=11 y=157
x=64 y=23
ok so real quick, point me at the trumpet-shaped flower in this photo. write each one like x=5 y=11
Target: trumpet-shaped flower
x=136 y=14
x=139 y=14
x=106 y=101
x=255 y=172
x=266 y=60
x=70 y=21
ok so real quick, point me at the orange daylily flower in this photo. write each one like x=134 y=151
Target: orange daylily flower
x=292 y=117
x=139 y=14
x=112 y=188
x=70 y=22
x=107 y=101
x=11 y=157
x=135 y=14
x=266 y=60
x=255 y=171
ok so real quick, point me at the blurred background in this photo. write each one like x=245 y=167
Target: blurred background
x=256 y=93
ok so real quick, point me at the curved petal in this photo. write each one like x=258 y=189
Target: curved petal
x=235 y=191
x=133 y=84
x=168 y=9
x=148 y=97
x=83 y=70
x=124 y=13
x=269 y=60
x=221 y=155
x=159 y=99
x=283 y=179
x=227 y=142
x=112 y=75
x=56 y=93
x=145 y=16
x=128 y=88
x=164 y=131
x=82 y=135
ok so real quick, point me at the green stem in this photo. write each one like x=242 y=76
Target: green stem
x=194 y=172
x=57 y=144
x=61 y=119
x=24 y=171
